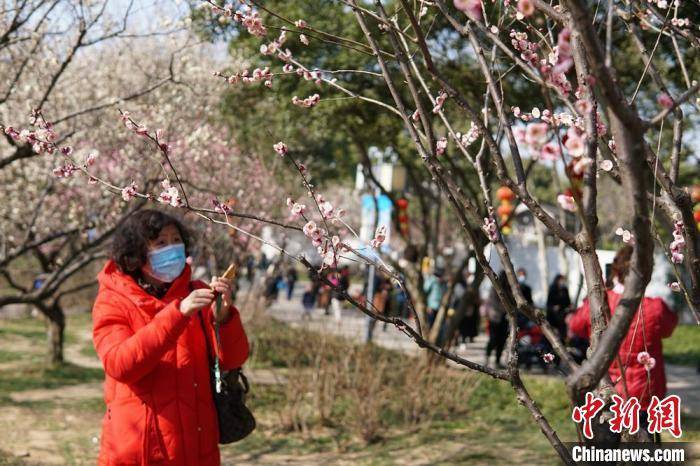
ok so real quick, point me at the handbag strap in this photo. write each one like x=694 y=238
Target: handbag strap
x=211 y=353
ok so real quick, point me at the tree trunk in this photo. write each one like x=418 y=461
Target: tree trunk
x=56 y=324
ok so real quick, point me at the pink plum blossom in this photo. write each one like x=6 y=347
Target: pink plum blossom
x=297 y=209
x=309 y=228
x=169 y=195
x=90 y=159
x=646 y=360
x=439 y=101
x=566 y=202
x=326 y=209
x=678 y=243
x=548 y=358
x=574 y=143
x=129 y=192
x=441 y=146
x=550 y=152
x=665 y=100
x=606 y=165
x=675 y=287
x=307 y=102
x=471 y=8
x=491 y=229
x=583 y=106
x=536 y=134
x=526 y=7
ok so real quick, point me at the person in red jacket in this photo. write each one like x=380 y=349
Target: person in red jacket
x=149 y=322
x=652 y=322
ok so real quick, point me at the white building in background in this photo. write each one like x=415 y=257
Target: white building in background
x=538 y=253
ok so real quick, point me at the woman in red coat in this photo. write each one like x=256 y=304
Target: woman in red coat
x=647 y=330
x=149 y=322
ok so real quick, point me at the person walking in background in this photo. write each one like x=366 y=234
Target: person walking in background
x=434 y=288
x=400 y=302
x=524 y=322
x=641 y=351
x=498 y=324
x=470 y=302
x=151 y=328
x=380 y=301
x=524 y=287
x=250 y=268
x=341 y=283
x=291 y=281
x=558 y=305
x=308 y=300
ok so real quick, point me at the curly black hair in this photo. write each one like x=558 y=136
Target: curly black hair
x=621 y=265
x=129 y=248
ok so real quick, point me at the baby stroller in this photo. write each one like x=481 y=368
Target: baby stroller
x=531 y=345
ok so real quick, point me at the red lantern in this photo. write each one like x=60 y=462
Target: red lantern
x=504 y=194
x=696 y=215
x=505 y=209
x=402 y=203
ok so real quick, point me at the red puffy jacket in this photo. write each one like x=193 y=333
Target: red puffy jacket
x=657 y=322
x=157 y=390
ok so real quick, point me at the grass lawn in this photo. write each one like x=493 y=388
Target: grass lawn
x=684 y=346
x=486 y=426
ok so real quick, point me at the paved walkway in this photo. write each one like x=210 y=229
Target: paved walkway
x=682 y=380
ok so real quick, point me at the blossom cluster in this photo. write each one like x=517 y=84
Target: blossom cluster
x=129 y=192
x=170 y=195
x=470 y=136
x=678 y=243
x=308 y=102
x=491 y=229
x=42 y=140
x=263 y=75
x=276 y=47
x=246 y=16
x=132 y=125
x=626 y=235
x=221 y=207
x=439 y=101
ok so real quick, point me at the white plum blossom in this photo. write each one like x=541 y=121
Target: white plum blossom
x=441 y=146
x=379 y=237
x=281 y=148
x=626 y=235
x=606 y=165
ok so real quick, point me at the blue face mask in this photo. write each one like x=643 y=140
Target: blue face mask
x=167 y=263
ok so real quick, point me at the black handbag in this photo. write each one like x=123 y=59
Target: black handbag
x=229 y=389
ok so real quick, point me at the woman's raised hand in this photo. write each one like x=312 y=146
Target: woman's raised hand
x=223 y=286
x=196 y=300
